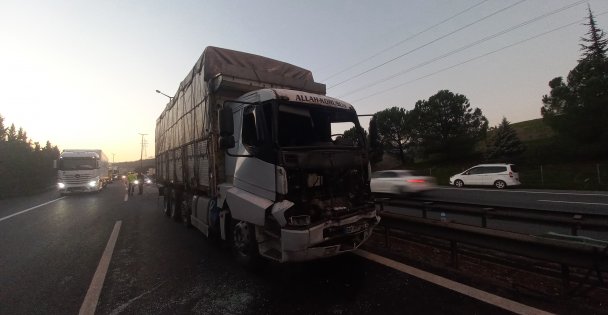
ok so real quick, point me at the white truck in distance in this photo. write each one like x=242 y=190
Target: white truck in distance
x=247 y=152
x=81 y=171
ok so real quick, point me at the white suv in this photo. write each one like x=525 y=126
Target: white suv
x=497 y=175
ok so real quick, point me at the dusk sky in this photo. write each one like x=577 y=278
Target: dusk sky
x=83 y=74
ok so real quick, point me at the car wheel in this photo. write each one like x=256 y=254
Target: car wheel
x=500 y=184
x=458 y=183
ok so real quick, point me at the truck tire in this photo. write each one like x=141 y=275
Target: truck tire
x=176 y=205
x=186 y=210
x=167 y=202
x=244 y=245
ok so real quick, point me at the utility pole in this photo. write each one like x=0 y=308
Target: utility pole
x=141 y=155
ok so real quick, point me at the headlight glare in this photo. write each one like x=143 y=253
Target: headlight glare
x=61 y=185
x=93 y=183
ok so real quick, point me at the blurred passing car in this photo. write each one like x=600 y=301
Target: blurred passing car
x=498 y=175
x=401 y=182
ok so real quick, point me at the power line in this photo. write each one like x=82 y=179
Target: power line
x=477 y=57
x=505 y=31
x=405 y=40
x=431 y=42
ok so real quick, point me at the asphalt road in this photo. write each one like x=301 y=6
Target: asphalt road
x=49 y=254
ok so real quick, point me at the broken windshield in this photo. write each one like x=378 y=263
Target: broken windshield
x=301 y=125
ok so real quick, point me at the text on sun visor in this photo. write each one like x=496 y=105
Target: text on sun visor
x=320 y=100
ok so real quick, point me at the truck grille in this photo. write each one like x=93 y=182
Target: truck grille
x=77 y=179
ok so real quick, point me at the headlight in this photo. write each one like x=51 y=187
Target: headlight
x=136 y=182
x=93 y=183
x=123 y=176
x=61 y=185
x=148 y=181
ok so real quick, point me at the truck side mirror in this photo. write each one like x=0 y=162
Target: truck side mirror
x=226 y=128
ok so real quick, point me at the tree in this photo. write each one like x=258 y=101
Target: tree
x=447 y=125
x=2 y=130
x=578 y=108
x=393 y=130
x=352 y=136
x=11 y=134
x=505 y=143
x=375 y=147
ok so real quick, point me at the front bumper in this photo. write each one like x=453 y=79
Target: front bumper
x=327 y=239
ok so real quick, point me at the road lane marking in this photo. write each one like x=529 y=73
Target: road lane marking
x=90 y=300
x=523 y=191
x=30 y=209
x=477 y=294
x=576 y=202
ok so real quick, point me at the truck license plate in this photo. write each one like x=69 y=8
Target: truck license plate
x=355 y=228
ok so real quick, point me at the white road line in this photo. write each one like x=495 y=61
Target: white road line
x=524 y=192
x=480 y=295
x=90 y=300
x=30 y=209
x=576 y=202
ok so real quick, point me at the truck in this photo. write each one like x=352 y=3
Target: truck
x=81 y=170
x=250 y=151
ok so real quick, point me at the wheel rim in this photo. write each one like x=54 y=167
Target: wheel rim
x=500 y=184
x=458 y=183
x=241 y=238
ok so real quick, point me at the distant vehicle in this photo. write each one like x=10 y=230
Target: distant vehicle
x=147 y=180
x=81 y=171
x=401 y=182
x=498 y=175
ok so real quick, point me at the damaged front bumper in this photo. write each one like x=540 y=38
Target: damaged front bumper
x=327 y=239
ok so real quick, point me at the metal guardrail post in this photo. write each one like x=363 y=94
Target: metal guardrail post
x=454 y=253
x=565 y=280
x=427 y=207
x=484 y=217
x=576 y=225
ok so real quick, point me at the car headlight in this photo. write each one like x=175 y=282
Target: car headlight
x=61 y=185
x=123 y=176
x=148 y=181
x=93 y=183
x=136 y=182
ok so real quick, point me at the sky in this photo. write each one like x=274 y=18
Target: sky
x=83 y=74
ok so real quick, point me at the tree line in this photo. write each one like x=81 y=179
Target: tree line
x=25 y=166
x=447 y=127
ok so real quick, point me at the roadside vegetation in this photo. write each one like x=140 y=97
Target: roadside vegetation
x=566 y=149
x=25 y=166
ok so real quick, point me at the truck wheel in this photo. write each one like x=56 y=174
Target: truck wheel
x=244 y=245
x=186 y=208
x=167 y=202
x=176 y=202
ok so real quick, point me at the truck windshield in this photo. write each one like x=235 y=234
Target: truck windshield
x=304 y=125
x=67 y=164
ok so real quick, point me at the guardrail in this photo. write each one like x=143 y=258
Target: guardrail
x=567 y=251
x=573 y=220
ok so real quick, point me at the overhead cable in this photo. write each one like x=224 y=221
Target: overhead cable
x=428 y=43
x=477 y=57
x=457 y=50
x=405 y=40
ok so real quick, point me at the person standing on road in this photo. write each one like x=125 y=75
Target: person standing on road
x=140 y=178
x=131 y=177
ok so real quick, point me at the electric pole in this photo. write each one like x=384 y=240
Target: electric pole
x=141 y=154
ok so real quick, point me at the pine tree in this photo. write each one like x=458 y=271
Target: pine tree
x=2 y=130
x=594 y=45
x=375 y=146
x=505 y=143
x=11 y=134
x=578 y=108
